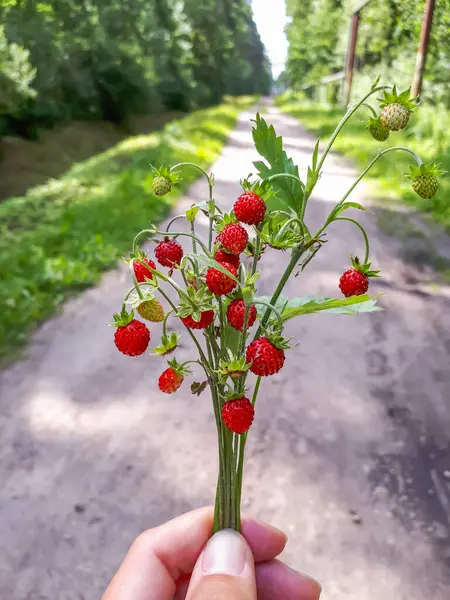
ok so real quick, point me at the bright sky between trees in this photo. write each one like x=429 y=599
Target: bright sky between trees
x=270 y=17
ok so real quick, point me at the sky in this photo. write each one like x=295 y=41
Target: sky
x=270 y=17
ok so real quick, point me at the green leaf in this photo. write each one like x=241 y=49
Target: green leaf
x=198 y=387
x=210 y=262
x=270 y=146
x=315 y=155
x=344 y=306
x=376 y=82
x=311 y=180
x=191 y=213
x=280 y=305
x=343 y=207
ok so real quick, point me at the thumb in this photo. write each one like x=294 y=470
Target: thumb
x=225 y=570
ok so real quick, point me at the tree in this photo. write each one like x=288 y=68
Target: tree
x=111 y=59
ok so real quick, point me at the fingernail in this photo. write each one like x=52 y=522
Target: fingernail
x=225 y=554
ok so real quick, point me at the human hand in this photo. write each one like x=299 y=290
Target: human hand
x=177 y=562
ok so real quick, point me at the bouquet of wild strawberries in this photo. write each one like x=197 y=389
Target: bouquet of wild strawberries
x=239 y=336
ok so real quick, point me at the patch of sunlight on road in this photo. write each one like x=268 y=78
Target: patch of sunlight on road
x=50 y=411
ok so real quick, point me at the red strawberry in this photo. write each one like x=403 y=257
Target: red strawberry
x=206 y=318
x=222 y=256
x=218 y=283
x=238 y=414
x=133 y=338
x=353 y=283
x=234 y=238
x=236 y=314
x=169 y=381
x=142 y=272
x=250 y=208
x=265 y=358
x=168 y=252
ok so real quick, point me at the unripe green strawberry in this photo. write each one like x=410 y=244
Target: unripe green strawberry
x=424 y=179
x=151 y=310
x=426 y=186
x=161 y=185
x=395 y=116
x=396 y=109
x=163 y=179
x=378 y=131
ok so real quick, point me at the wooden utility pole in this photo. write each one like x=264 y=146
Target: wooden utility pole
x=351 y=51
x=351 y=57
x=416 y=87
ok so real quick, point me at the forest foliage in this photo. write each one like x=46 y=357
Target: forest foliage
x=388 y=39
x=109 y=60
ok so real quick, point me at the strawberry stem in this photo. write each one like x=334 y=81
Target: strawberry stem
x=289 y=175
x=168 y=313
x=199 y=348
x=211 y=219
x=138 y=235
x=371 y=108
x=133 y=275
x=256 y=252
x=350 y=111
x=366 y=170
x=363 y=231
x=295 y=257
x=173 y=221
x=371 y=164
x=185 y=234
x=242 y=443
x=192 y=165
x=273 y=309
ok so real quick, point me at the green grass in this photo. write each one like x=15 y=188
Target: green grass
x=428 y=134
x=59 y=237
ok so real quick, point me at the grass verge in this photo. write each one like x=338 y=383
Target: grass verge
x=428 y=134
x=59 y=237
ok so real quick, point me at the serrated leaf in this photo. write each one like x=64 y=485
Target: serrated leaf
x=270 y=147
x=345 y=306
x=210 y=262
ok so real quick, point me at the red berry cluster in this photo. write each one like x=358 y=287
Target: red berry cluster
x=262 y=357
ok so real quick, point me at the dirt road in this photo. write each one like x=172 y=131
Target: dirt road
x=349 y=452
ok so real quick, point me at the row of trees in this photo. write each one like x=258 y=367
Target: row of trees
x=387 y=41
x=109 y=59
